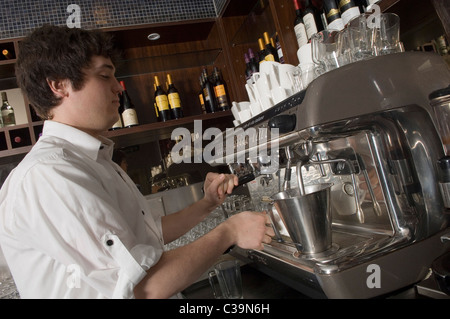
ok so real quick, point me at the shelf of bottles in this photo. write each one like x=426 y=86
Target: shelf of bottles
x=212 y=105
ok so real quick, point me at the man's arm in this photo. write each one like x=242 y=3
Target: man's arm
x=216 y=187
x=179 y=268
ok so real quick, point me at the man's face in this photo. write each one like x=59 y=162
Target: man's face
x=94 y=108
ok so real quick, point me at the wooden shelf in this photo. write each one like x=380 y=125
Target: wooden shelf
x=166 y=63
x=163 y=130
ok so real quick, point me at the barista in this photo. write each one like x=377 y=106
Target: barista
x=72 y=223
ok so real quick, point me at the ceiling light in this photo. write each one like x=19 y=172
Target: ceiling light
x=153 y=36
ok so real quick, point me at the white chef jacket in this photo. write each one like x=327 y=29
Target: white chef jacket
x=72 y=223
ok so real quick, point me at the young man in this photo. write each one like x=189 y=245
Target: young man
x=72 y=223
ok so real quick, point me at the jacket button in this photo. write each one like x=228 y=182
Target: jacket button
x=109 y=242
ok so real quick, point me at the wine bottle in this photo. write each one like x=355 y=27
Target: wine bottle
x=119 y=124
x=333 y=15
x=299 y=26
x=279 y=49
x=208 y=93
x=271 y=53
x=318 y=5
x=311 y=18
x=20 y=138
x=129 y=115
x=254 y=63
x=162 y=102
x=201 y=97
x=262 y=51
x=248 y=67
x=220 y=91
x=174 y=99
x=9 y=119
x=349 y=10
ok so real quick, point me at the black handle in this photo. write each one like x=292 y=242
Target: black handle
x=285 y=123
x=246 y=179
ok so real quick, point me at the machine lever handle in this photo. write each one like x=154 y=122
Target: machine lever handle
x=285 y=123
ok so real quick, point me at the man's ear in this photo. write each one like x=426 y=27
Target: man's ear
x=59 y=87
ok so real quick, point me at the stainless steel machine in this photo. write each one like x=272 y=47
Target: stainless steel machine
x=366 y=134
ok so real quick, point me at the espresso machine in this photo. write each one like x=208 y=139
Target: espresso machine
x=350 y=179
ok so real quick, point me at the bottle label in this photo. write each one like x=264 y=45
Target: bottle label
x=220 y=90
x=207 y=97
x=118 y=124
x=129 y=117
x=174 y=100
x=310 y=25
x=348 y=15
x=270 y=57
x=162 y=102
x=337 y=24
x=300 y=33
x=8 y=118
x=332 y=15
x=345 y=4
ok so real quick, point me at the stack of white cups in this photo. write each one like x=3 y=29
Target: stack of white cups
x=274 y=83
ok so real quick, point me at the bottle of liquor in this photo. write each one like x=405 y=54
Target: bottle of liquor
x=271 y=52
x=119 y=124
x=174 y=99
x=279 y=49
x=208 y=93
x=262 y=51
x=162 y=102
x=311 y=18
x=299 y=26
x=253 y=62
x=318 y=5
x=20 y=138
x=348 y=9
x=220 y=91
x=248 y=67
x=333 y=15
x=201 y=97
x=129 y=115
x=9 y=119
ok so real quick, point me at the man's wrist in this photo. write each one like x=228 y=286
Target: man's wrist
x=208 y=205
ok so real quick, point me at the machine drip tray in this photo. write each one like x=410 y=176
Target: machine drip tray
x=346 y=249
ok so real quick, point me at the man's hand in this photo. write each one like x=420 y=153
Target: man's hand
x=251 y=229
x=217 y=186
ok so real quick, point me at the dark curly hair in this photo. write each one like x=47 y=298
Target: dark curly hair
x=58 y=53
